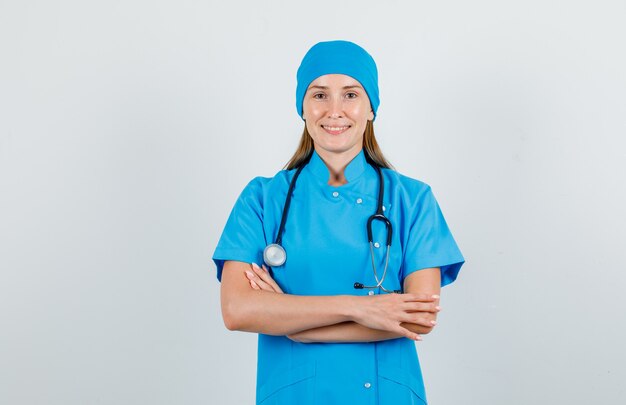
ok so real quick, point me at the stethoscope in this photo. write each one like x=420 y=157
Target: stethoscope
x=275 y=255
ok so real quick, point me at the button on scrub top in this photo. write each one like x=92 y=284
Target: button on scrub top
x=325 y=239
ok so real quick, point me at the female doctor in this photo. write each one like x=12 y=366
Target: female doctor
x=341 y=291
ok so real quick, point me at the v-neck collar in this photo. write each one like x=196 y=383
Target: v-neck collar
x=353 y=170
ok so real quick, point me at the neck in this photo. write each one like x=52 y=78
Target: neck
x=336 y=164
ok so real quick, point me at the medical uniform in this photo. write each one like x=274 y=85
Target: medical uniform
x=327 y=252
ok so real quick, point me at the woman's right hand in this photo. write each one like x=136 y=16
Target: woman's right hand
x=388 y=311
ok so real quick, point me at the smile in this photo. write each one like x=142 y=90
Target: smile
x=335 y=130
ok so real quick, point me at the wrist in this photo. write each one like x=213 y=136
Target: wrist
x=350 y=307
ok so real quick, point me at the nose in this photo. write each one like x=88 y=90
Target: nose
x=335 y=107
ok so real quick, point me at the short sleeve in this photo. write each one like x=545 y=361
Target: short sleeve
x=430 y=242
x=243 y=238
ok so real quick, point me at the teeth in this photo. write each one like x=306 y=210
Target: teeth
x=335 y=128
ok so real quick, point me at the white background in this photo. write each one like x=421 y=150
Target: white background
x=128 y=129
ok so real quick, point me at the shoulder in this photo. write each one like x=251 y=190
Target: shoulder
x=405 y=185
x=261 y=186
x=412 y=197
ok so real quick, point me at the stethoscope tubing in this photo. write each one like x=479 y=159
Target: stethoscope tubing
x=278 y=255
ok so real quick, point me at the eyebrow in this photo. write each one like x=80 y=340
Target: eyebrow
x=344 y=87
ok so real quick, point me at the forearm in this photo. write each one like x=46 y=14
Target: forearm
x=255 y=310
x=282 y=314
x=352 y=332
x=344 y=332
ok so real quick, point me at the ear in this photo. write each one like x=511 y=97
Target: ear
x=371 y=115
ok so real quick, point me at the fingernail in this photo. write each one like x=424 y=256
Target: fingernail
x=255 y=265
x=438 y=308
x=435 y=296
x=433 y=322
x=265 y=268
x=418 y=337
x=253 y=283
x=249 y=274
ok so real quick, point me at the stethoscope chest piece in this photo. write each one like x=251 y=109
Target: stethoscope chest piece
x=274 y=255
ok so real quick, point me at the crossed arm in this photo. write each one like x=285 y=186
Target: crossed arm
x=253 y=302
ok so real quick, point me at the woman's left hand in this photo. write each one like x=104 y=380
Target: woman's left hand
x=260 y=279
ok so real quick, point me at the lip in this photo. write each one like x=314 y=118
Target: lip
x=338 y=132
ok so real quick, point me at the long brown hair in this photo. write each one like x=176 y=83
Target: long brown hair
x=370 y=148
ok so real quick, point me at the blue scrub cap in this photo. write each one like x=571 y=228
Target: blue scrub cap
x=342 y=57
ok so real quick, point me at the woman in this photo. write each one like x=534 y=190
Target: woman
x=322 y=340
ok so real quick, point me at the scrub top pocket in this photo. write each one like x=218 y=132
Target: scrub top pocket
x=399 y=386
x=293 y=386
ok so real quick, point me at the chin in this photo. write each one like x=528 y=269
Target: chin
x=336 y=148
x=335 y=145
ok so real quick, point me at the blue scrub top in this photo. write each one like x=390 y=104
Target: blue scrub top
x=327 y=252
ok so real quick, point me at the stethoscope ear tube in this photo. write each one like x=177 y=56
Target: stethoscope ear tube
x=389 y=228
x=380 y=217
x=359 y=286
x=292 y=185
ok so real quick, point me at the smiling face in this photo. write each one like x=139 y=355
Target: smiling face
x=336 y=110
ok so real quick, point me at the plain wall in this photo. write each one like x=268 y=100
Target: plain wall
x=129 y=128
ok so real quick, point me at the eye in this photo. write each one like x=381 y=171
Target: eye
x=321 y=96
x=352 y=95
